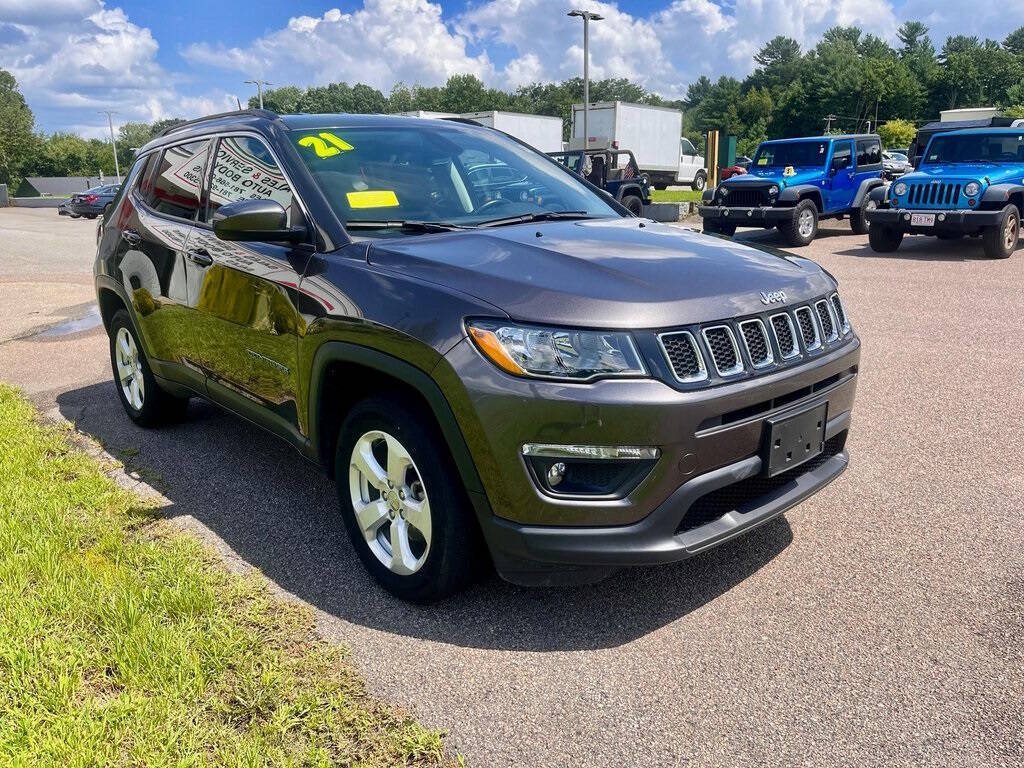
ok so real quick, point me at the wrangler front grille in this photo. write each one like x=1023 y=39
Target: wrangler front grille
x=745 y=198
x=933 y=195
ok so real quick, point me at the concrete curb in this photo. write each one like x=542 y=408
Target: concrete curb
x=670 y=212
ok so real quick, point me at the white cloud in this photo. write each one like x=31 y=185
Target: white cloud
x=383 y=42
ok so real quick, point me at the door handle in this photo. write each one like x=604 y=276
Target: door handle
x=131 y=237
x=200 y=257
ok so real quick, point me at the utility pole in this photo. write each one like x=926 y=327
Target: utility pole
x=828 y=123
x=113 y=144
x=259 y=88
x=587 y=17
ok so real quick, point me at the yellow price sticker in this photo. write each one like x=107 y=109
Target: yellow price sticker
x=372 y=198
x=325 y=144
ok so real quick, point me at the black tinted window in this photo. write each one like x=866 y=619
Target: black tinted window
x=869 y=152
x=842 y=156
x=171 y=185
x=244 y=169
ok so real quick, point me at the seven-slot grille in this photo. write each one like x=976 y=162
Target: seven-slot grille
x=785 y=336
x=933 y=195
x=745 y=198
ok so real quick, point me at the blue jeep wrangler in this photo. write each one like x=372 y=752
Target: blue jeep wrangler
x=969 y=182
x=792 y=183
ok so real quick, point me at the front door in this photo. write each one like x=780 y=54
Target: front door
x=689 y=161
x=246 y=325
x=841 y=185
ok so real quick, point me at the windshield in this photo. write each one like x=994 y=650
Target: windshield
x=803 y=153
x=976 y=148
x=440 y=174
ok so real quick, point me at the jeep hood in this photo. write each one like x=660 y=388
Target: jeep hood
x=995 y=174
x=801 y=175
x=613 y=273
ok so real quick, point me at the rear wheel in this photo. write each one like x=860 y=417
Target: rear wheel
x=142 y=398
x=883 y=239
x=801 y=229
x=1001 y=240
x=402 y=503
x=633 y=204
x=699 y=181
x=859 y=218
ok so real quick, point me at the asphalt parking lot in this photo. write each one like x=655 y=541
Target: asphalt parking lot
x=880 y=623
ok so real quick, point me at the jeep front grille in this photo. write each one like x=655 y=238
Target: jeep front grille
x=933 y=195
x=746 y=198
x=755 y=344
x=684 y=357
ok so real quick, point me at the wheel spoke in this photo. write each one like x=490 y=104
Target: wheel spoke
x=136 y=397
x=398 y=462
x=371 y=516
x=126 y=350
x=124 y=373
x=417 y=515
x=366 y=463
x=402 y=559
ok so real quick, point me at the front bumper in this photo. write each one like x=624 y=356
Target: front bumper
x=759 y=216
x=952 y=221
x=708 y=438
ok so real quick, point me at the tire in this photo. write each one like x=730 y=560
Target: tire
x=699 y=182
x=90 y=216
x=803 y=227
x=858 y=219
x=441 y=550
x=883 y=239
x=633 y=204
x=142 y=398
x=75 y=215
x=1001 y=240
x=714 y=227
x=661 y=187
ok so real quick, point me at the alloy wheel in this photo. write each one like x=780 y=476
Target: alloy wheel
x=805 y=225
x=1010 y=235
x=390 y=502
x=129 y=369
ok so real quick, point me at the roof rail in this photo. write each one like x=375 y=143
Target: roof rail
x=233 y=113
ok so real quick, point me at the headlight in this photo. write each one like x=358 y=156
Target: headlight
x=723 y=190
x=558 y=353
x=900 y=189
x=773 y=190
x=971 y=188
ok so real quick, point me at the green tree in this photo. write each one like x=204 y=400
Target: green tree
x=16 y=124
x=1014 y=42
x=897 y=134
x=283 y=100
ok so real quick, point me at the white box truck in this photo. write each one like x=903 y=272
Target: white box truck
x=542 y=132
x=653 y=134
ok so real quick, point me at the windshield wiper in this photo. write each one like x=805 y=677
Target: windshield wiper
x=542 y=216
x=407 y=225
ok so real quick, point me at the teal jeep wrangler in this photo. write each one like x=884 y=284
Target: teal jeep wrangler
x=792 y=183
x=969 y=182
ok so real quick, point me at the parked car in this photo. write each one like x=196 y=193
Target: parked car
x=895 y=164
x=792 y=183
x=91 y=203
x=549 y=385
x=736 y=169
x=613 y=170
x=969 y=182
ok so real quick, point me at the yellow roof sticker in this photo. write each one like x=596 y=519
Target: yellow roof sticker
x=372 y=198
x=326 y=144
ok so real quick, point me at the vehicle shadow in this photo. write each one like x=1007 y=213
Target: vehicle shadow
x=279 y=513
x=924 y=248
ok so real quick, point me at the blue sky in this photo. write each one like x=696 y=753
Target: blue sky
x=149 y=60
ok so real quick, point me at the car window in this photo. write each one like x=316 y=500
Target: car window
x=172 y=183
x=244 y=169
x=842 y=155
x=686 y=148
x=869 y=152
x=976 y=148
x=436 y=173
x=808 y=154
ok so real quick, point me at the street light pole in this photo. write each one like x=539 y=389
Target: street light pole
x=587 y=16
x=113 y=144
x=259 y=88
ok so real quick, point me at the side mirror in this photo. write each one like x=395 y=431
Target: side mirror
x=255 y=220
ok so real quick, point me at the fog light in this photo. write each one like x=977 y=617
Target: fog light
x=555 y=473
x=906 y=217
x=942 y=217
x=725 y=213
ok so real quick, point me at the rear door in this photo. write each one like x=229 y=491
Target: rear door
x=153 y=227
x=243 y=296
x=868 y=161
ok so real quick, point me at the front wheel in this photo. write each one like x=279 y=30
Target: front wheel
x=633 y=204
x=1001 y=240
x=883 y=239
x=142 y=398
x=699 y=182
x=802 y=228
x=403 y=506
x=859 y=218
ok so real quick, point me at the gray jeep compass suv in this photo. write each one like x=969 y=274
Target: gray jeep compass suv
x=517 y=374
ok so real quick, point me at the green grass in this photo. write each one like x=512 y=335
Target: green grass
x=123 y=641
x=675 y=196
